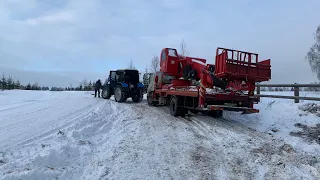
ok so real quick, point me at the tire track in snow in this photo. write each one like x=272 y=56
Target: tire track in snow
x=78 y=115
x=135 y=141
x=201 y=147
x=41 y=120
x=82 y=134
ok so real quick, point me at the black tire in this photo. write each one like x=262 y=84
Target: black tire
x=138 y=97
x=175 y=110
x=149 y=99
x=106 y=93
x=119 y=94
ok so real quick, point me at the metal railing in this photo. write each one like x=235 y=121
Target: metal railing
x=296 y=89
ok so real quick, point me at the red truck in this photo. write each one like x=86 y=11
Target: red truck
x=189 y=84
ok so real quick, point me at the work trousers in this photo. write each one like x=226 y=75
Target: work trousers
x=95 y=92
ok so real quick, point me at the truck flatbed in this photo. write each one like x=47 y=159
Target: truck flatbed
x=213 y=99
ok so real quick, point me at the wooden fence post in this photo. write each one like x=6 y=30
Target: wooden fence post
x=296 y=93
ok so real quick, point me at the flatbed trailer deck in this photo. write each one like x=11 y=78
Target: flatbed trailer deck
x=188 y=98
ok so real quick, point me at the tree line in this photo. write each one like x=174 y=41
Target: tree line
x=8 y=83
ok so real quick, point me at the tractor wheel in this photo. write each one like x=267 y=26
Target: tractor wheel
x=106 y=94
x=175 y=110
x=138 y=97
x=119 y=94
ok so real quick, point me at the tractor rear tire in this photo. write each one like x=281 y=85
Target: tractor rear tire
x=106 y=93
x=119 y=94
x=138 y=97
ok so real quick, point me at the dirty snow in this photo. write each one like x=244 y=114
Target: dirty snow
x=71 y=135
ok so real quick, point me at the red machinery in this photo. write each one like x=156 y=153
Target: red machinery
x=234 y=75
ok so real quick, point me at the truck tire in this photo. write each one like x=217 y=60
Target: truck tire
x=149 y=99
x=106 y=93
x=119 y=94
x=138 y=97
x=175 y=110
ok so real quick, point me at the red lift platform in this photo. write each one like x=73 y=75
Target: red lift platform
x=189 y=84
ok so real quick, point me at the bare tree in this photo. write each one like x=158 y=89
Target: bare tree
x=183 y=49
x=155 y=64
x=313 y=56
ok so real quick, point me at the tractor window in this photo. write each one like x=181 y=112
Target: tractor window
x=172 y=53
x=132 y=76
x=113 y=76
x=120 y=76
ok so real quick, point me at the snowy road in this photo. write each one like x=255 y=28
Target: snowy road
x=71 y=135
x=37 y=118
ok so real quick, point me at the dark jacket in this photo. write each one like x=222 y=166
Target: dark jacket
x=98 y=85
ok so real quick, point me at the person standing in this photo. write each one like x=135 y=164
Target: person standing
x=97 y=88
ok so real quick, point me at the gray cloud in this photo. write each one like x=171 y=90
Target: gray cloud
x=79 y=35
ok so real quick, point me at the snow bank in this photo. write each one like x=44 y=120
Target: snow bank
x=280 y=116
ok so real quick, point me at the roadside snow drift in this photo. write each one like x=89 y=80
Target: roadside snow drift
x=72 y=135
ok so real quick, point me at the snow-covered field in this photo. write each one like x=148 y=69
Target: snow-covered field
x=71 y=135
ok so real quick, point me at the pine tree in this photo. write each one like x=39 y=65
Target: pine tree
x=28 y=87
x=3 y=82
x=10 y=83
x=17 y=84
x=89 y=86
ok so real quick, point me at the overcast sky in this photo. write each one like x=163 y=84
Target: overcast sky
x=57 y=42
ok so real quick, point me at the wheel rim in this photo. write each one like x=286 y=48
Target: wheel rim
x=118 y=94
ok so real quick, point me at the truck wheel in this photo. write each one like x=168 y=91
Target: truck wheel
x=149 y=99
x=106 y=94
x=175 y=110
x=119 y=94
x=138 y=97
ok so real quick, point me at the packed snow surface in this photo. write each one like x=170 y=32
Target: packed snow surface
x=72 y=135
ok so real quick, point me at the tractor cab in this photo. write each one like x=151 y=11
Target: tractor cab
x=124 y=75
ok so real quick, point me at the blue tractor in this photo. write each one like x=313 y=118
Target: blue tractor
x=123 y=84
